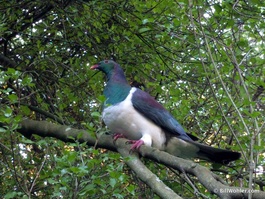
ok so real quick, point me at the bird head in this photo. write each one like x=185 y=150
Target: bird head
x=106 y=66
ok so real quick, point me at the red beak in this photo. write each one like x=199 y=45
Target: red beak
x=94 y=67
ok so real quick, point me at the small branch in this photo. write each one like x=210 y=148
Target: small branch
x=45 y=113
x=37 y=175
x=259 y=91
x=32 y=19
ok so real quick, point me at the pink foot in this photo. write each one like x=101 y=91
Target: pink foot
x=136 y=144
x=117 y=136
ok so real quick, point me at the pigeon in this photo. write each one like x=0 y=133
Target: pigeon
x=134 y=114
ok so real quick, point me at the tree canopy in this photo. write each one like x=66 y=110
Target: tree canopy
x=203 y=60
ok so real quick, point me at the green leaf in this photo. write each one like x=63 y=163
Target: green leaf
x=96 y=114
x=13 y=98
x=27 y=141
x=2 y=130
x=25 y=110
x=8 y=112
x=113 y=182
x=145 y=21
x=27 y=81
x=10 y=195
x=101 y=98
x=141 y=30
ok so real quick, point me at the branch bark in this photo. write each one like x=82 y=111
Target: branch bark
x=144 y=173
x=204 y=175
x=6 y=62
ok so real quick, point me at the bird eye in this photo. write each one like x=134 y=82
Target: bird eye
x=106 y=61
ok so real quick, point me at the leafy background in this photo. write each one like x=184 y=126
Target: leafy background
x=203 y=60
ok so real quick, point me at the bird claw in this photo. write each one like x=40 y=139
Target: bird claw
x=117 y=136
x=136 y=144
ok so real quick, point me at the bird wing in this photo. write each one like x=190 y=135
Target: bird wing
x=154 y=111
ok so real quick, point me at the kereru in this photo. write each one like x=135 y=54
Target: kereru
x=134 y=114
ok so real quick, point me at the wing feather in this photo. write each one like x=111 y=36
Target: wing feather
x=151 y=109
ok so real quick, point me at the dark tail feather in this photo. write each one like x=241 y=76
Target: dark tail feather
x=221 y=156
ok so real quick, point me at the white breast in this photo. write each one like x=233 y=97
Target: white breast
x=124 y=119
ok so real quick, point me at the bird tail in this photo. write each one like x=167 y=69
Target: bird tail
x=216 y=155
x=192 y=149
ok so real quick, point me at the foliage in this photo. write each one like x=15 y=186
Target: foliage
x=203 y=60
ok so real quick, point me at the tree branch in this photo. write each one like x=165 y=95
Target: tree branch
x=6 y=62
x=45 y=113
x=39 y=13
x=205 y=177
x=143 y=172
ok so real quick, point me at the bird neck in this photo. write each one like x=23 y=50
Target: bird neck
x=117 y=88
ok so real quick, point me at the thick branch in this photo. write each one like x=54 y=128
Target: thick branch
x=144 y=173
x=6 y=62
x=206 y=177
x=64 y=133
